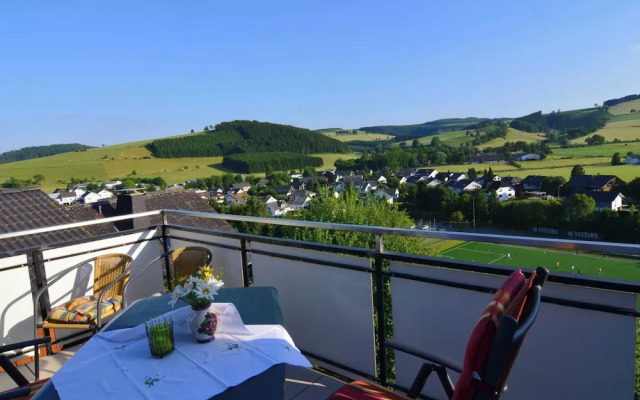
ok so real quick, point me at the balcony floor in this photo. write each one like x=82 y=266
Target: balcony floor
x=300 y=383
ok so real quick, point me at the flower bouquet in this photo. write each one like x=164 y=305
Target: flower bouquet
x=198 y=291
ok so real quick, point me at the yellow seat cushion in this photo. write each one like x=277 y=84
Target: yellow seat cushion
x=84 y=309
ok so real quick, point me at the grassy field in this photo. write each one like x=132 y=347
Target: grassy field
x=455 y=138
x=625 y=108
x=605 y=150
x=627 y=128
x=554 y=260
x=552 y=166
x=514 y=135
x=119 y=161
x=360 y=135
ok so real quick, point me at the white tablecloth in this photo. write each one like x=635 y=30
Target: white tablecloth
x=119 y=365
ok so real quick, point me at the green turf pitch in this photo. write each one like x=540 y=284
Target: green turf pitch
x=526 y=257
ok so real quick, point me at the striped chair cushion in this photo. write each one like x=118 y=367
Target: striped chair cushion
x=84 y=309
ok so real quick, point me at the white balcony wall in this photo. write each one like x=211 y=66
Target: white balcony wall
x=16 y=302
x=570 y=351
x=327 y=310
x=227 y=261
x=80 y=281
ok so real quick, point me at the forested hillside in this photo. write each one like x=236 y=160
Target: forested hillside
x=573 y=124
x=28 y=153
x=613 y=102
x=428 y=128
x=260 y=162
x=247 y=137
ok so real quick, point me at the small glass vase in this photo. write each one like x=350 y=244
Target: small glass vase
x=203 y=323
x=160 y=336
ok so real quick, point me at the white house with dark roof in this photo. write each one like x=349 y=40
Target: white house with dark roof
x=388 y=194
x=465 y=185
x=604 y=200
x=632 y=159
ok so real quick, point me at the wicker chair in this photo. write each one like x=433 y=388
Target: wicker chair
x=183 y=262
x=186 y=261
x=111 y=272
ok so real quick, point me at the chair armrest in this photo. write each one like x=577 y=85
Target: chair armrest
x=105 y=290
x=436 y=359
x=15 y=393
x=36 y=299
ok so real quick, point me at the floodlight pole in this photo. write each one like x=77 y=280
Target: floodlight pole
x=562 y=184
x=473 y=202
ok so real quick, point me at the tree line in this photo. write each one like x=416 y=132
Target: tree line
x=576 y=212
x=27 y=153
x=261 y=162
x=571 y=124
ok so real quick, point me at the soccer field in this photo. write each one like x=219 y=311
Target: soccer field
x=554 y=260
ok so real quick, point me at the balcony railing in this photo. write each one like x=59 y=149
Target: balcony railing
x=335 y=298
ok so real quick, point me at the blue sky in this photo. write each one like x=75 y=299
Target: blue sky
x=118 y=71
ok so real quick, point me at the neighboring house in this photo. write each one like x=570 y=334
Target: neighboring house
x=284 y=190
x=267 y=199
x=406 y=173
x=489 y=158
x=610 y=200
x=239 y=198
x=365 y=187
x=295 y=175
x=112 y=185
x=632 y=159
x=300 y=193
x=66 y=198
x=299 y=202
x=262 y=182
x=600 y=183
x=242 y=186
x=456 y=176
x=426 y=174
x=380 y=179
x=90 y=197
x=532 y=183
x=465 y=185
x=504 y=190
x=279 y=208
x=78 y=192
x=434 y=182
x=389 y=194
x=526 y=157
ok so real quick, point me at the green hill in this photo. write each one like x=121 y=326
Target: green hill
x=27 y=153
x=247 y=137
x=428 y=128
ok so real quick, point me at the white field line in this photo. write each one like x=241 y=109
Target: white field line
x=454 y=248
x=502 y=256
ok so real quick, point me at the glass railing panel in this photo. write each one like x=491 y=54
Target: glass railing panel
x=227 y=257
x=143 y=247
x=328 y=310
x=16 y=302
x=581 y=345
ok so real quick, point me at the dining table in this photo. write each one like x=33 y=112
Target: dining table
x=259 y=309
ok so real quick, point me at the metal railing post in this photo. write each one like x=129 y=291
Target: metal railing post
x=245 y=263
x=165 y=249
x=38 y=279
x=380 y=331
